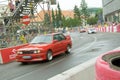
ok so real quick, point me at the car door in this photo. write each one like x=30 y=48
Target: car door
x=63 y=44
x=56 y=45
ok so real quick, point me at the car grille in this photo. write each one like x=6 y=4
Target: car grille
x=28 y=52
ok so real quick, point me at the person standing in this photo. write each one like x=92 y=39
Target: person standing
x=26 y=1
x=11 y=6
x=17 y=2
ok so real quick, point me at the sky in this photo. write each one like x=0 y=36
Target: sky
x=69 y=4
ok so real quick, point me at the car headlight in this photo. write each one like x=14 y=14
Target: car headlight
x=37 y=51
x=19 y=52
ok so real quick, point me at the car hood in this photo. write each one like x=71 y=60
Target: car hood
x=34 y=47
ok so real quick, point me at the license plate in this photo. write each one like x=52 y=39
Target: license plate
x=26 y=57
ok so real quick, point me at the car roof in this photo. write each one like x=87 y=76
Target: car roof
x=52 y=33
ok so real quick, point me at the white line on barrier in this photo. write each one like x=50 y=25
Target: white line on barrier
x=1 y=61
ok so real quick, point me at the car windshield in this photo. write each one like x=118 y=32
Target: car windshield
x=92 y=29
x=42 y=39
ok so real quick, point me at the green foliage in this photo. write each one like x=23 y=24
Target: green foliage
x=59 y=12
x=77 y=12
x=53 y=19
x=46 y=19
x=81 y=14
x=84 y=9
x=77 y=17
x=57 y=17
x=97 y=14
x=53 y=2
x=92 y=20
x=69 y=22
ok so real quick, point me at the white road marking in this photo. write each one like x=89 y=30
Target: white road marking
x=32 y=72
x=78 y=50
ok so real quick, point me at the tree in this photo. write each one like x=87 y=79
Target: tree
x=95 y=13
x=84 y=9
x=57 y=19
x=77 y=16
x=77 y=12
x=53 y=19
x=53 y=2
x=46 y=19
x=71 y=22
x=92 y=20
x=84 y=12
x=59 y=15
x=99 y=15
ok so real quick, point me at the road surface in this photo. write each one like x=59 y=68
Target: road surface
x=85 y=47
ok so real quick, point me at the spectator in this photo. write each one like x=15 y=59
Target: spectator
x=23 y=39
x=3 y=43
x=6 y=20
x=11 y=6
x=31 y=7
x=26 y=1
x=17 y=3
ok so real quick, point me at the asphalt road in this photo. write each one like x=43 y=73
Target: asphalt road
x=85 y=47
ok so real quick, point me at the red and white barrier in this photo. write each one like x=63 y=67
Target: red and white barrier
x=115 y=28
x=0 y=58
x=8 y=54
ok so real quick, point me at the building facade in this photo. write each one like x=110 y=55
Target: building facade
x=111 y=10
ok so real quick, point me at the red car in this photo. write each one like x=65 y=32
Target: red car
x=44 y=47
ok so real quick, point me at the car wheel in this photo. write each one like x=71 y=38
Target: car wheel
x=68 y=49
x=49 y=55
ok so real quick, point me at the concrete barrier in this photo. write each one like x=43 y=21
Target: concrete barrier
x=84 y=71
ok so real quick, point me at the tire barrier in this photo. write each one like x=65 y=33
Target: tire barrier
x=8 y=54
x=108 y=66
x=109 y=29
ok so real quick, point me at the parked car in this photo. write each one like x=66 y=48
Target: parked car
x=108 y=66
x=44 y=47
x=82 y=30
x=91 y=31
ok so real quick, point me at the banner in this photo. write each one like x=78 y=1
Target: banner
x=9 y=54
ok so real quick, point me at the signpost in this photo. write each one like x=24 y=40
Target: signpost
x=26 y=20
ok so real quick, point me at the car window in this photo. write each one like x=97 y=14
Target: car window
x=62 y=37
x=57 y=37
x=42 y=39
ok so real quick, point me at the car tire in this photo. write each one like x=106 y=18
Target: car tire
x=49 y=56
x=68 y=49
